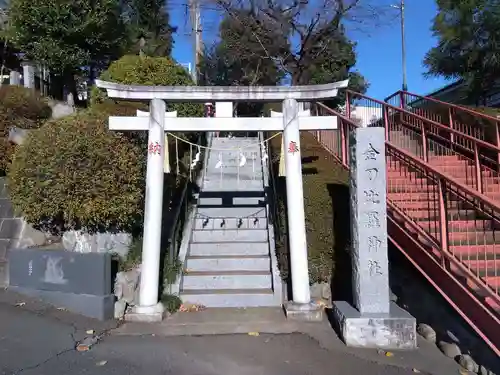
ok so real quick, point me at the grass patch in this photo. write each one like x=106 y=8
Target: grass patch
x=326 y=205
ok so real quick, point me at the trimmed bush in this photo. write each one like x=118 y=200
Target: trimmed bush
x=151 y=71
x=23 y=102
x=74 y=173
x=321 y=175
x=22 y=108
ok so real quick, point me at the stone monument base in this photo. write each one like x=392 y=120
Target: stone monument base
x=396 y=330
x=146 y=314
x=97 y=307
x=305 y=312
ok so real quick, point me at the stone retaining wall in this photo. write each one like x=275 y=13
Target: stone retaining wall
x=14 y=232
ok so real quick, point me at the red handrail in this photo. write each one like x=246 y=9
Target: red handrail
x=448 y=105
x=450 y=257
x=422 y=118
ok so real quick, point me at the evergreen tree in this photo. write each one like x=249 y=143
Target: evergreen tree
x=468 y=46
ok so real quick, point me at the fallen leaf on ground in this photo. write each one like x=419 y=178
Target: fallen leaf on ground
x=89 y=332
x=19 y=304
x=253 y=333
x=389 y=354
x=321 y=303
x=101 y=363
x=188 y=307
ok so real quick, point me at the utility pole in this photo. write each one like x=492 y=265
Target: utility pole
x=403 y=45
x=401 y=8
x=195 y=16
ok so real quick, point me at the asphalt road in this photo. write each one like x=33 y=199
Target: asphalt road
x=35 y=342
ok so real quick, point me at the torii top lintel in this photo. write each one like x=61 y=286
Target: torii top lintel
x=222 y=93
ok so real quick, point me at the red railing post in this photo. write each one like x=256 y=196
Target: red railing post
x=443 y=223
x=452 y=126
x=347 y=105
x=385 y=113
x=497 y=130
x=402 y=103
x=343 y=143
x=477 y=166
x=424 y=142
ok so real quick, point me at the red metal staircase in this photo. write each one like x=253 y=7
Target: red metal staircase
x=443 y=203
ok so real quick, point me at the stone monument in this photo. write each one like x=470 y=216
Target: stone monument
x=374 y=321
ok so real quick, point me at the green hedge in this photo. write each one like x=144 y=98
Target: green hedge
x=74 y=173
x=151 y=71
x=22 y=108
x=321 y=175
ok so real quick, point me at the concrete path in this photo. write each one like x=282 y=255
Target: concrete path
x=38 y=339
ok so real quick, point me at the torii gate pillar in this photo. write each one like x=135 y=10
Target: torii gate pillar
x=301 y=307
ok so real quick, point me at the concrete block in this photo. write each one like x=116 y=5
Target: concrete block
x=61 y=271
x=305 y=312
x=396 y=330
x=210 y=264
x=230 y=235
x=6 y=209
x=4 y=246
x=233 y=280
x=229 y=249
x=98 y=307
x=146 y=314
x=4 y=273
x=10 y=228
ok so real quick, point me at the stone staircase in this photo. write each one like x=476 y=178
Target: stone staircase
x=230 y=261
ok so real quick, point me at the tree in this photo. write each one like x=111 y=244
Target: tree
x=306 y=42
x=468 y=38
x=149 y=28
x=242 y=57
x=67 y=35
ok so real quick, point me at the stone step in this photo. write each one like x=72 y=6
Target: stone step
x=233 y=263
x=229 y=249
x=245 y=223
x=216 y=184
x=229 y=235
x=231 y=298
x=235 y=201
x=227 y=280
x=231 y=212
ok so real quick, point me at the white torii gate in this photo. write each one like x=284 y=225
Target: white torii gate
x=157 y=123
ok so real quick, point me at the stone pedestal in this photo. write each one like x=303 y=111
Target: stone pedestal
x=305 y=312
x=395 y=330
x=373 y=321
x=146 y=314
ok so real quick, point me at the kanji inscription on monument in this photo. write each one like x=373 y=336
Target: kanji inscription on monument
x=368 y=204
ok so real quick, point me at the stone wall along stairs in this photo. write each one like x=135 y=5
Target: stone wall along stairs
x=231 y=257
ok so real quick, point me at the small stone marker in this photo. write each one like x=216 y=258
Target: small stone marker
x=374 y=321
x=79 y=282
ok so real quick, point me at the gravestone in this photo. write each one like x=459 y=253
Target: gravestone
x=374 y=321
x=81 y=283
x=14 y=78
x=28 y=75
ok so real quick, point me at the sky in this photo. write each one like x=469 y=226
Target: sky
x=378 y=51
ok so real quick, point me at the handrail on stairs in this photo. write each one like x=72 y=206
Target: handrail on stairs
x=467 y=120
x=426 y=138
x=427 y=208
